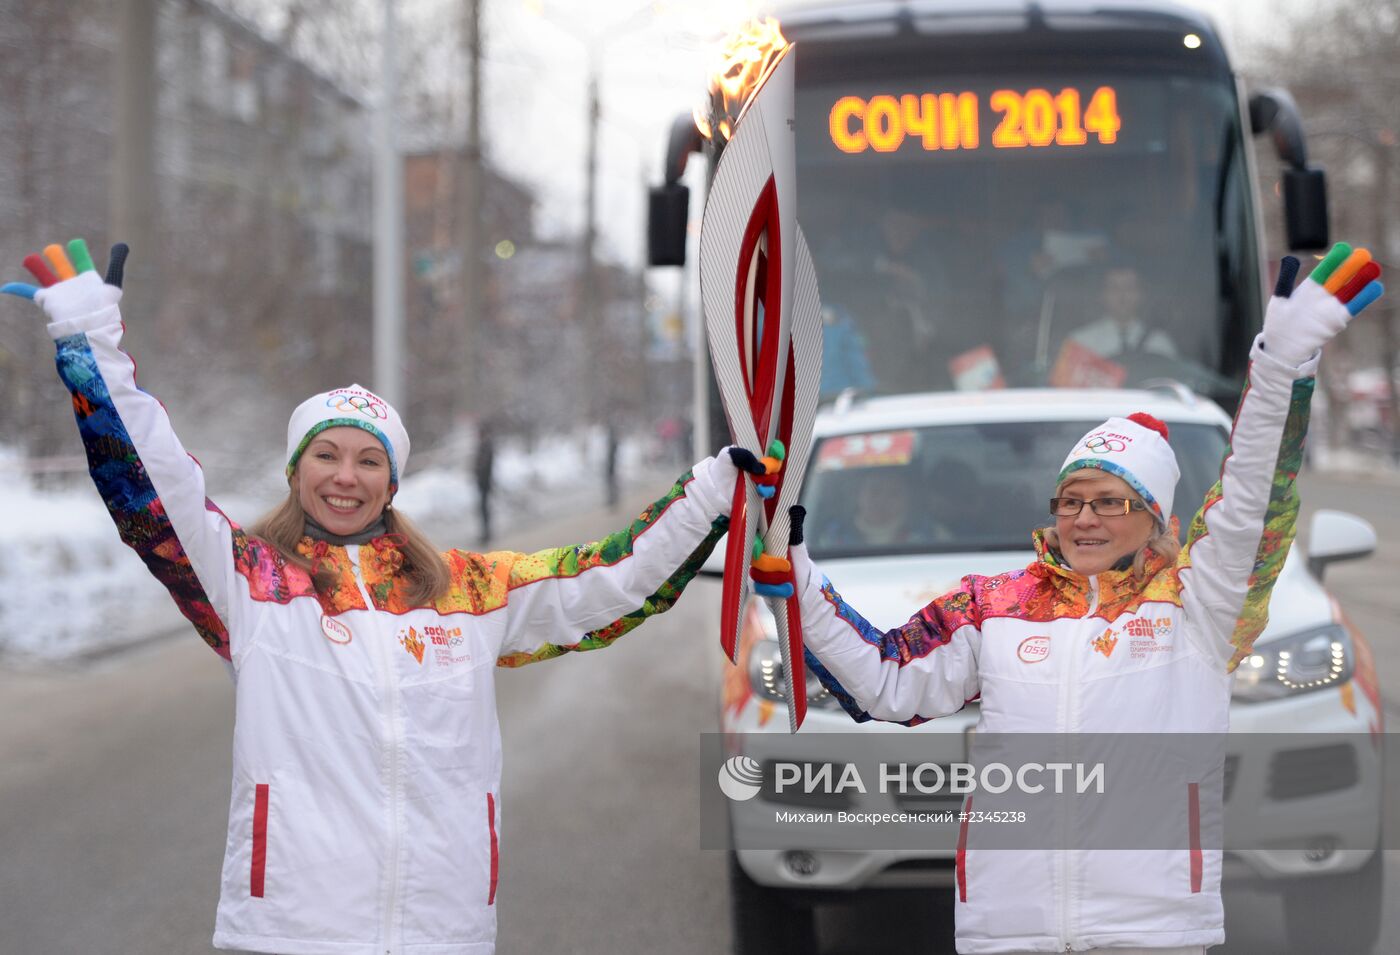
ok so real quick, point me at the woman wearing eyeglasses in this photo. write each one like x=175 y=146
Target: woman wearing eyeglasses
x=1051 y=648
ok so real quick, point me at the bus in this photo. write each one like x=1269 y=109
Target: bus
x=1024 y=194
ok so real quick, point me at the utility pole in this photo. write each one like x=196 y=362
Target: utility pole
x=588 y=278
x=473 y=285
x=1386 y=311
x=132 y=209
x=388 y=224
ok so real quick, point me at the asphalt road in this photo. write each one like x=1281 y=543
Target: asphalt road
x=114 y=788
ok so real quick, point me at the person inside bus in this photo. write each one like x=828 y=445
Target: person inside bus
x=1122 y=328
x=1033 y=255
x=891 y=273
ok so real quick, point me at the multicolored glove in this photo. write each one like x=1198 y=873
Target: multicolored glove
x=765 y=470
x=1299 y=322
x=69 y=286
x=772 y=575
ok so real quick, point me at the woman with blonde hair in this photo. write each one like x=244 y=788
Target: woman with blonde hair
x=1037 y=646
x=365 y=813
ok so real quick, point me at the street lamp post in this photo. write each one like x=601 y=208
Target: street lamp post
x=388 y=224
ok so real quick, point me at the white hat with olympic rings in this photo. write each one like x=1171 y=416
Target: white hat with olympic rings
x=1135 y=449
x=353 y=407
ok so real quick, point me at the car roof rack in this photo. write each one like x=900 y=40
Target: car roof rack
x=1173 y=387
x=845 y=400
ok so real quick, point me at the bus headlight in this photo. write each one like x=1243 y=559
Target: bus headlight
x=1304 y=662
x=766 y=670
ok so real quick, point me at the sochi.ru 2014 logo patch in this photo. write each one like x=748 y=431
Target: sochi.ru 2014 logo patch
x=1033 y=649
x=1148 y=636
x=413 y=643
x=335 y=631
x=1105 y=642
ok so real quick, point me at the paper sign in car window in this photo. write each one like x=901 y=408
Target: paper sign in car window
x=1080 y=367
x=976 y=370
x=877 y=450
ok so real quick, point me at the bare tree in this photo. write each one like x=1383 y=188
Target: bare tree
x=1342 y=62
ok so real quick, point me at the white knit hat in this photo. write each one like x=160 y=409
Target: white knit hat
x=1135 y=449
x=353 y=407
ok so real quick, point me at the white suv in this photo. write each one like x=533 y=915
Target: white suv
x=906 y=495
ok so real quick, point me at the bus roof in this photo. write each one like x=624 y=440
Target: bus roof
x=1139 y=34
x=931 y=16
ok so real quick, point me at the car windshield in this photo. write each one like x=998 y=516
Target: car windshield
x=963 y=487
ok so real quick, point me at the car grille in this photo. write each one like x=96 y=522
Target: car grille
x=1298 y=773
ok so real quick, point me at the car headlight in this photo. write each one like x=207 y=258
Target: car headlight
x=766 y=668
x=1301 y=663
x=767 y=676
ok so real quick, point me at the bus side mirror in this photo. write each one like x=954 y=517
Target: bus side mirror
x=1305 y=208
x=1273 y=111
x=668 y=206
x=668 y=213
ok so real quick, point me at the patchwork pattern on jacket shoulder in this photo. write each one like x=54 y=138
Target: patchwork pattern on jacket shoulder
x=270 y=578
x=1027 y=595
x=477 y=581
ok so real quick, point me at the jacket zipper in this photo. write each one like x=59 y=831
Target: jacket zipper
x=389 y=717
x=1069 y=725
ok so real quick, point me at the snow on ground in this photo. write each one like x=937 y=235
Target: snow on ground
x=69 y=587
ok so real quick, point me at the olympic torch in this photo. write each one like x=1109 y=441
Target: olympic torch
x=763 y=320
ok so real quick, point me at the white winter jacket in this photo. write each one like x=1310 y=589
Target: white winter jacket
x=365 y=815
x=1048 y=650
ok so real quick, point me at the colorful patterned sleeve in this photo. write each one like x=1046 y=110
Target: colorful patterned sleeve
x=1238 y=541
x=921 y=670
x=582 y=598
x=153 y=489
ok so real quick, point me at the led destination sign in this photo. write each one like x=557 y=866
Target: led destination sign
x=1011 y=119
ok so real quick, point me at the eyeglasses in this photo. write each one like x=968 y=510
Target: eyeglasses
x=1102 y=506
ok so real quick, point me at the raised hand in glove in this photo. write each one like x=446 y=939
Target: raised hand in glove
x=1300 y=321
x=772 y=575
x=69 y=286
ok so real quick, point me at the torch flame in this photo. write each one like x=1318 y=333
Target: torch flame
x=742 y=65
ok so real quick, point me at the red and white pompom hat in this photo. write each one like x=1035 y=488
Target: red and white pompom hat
x=1135 y=449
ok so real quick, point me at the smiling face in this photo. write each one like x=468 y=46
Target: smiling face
x=342 y=480
x=1093 y=543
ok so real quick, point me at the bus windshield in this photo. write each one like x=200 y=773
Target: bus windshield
x=1087 y=229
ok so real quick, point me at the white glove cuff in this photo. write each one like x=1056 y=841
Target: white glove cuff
x=77 y=298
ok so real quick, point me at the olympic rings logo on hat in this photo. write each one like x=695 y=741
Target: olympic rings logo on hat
x=365 y=404
x=1099 y=444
